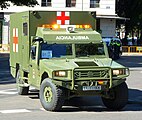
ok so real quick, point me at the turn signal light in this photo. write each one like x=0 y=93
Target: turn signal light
x=55 y=26
x=83 y=26
x=100 y=82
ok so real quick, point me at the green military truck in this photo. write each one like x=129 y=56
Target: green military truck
x=62 y=56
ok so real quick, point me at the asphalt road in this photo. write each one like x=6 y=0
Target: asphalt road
x=15 y=107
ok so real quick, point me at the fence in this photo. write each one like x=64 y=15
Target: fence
x=132 y=49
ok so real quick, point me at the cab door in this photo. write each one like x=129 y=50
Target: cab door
x=34 y=71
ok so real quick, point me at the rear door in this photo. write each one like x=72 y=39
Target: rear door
x=25 y=42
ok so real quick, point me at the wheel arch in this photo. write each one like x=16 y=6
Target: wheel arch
x=44 y=75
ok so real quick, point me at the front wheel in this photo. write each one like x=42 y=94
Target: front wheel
x=120 y=97
x=51 y=96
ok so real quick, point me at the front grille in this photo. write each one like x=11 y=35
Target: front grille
x=91 y=74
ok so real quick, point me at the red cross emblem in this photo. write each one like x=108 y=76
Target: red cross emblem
x=63 y=18
x=15 y=39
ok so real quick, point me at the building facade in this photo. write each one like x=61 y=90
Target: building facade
x=105 y=14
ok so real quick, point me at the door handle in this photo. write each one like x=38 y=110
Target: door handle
x=30 y=65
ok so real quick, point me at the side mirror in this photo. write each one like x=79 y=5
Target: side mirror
x=37 y=39
x=93 y=14
x=33 y=52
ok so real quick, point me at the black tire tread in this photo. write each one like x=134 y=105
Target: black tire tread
x=58 y=96
x=121 y=98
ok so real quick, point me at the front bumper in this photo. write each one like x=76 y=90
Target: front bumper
x=91 y=76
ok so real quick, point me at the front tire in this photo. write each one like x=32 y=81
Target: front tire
x=51 y=96
x=22 y=90
x=120 y=97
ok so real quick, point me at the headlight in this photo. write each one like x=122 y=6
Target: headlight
x=115 y=72
x=60 y=73
x=119 y=72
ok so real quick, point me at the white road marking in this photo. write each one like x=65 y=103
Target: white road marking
x=15 y=111
x=8 y=92
x=9 y=89
x=42 y=109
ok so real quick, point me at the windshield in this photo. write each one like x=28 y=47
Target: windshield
x=61 y=50
x=89 y=49
x=55 y=50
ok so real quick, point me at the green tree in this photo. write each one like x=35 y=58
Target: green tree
x=131 y=9
x=5 y=3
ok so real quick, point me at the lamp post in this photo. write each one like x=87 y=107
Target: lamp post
x=138 y=30
x=82 y=5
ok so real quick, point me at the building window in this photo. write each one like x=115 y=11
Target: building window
x=1 y=23
x=70 y=3
x=94 y=3
x=45 y=3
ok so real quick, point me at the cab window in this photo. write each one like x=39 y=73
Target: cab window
x=55 y=50
x=89 y=49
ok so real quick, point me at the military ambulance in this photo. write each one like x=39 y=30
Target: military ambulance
x=61 y=55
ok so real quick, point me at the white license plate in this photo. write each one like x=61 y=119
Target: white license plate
x=86 y=88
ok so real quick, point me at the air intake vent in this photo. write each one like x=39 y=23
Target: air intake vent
x=86 y=63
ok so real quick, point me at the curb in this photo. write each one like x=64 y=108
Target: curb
x=135 y=69
x=129 y=54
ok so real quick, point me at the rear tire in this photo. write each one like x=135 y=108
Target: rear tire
x=21 y=89
x=51 y=96
x=119 y=99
